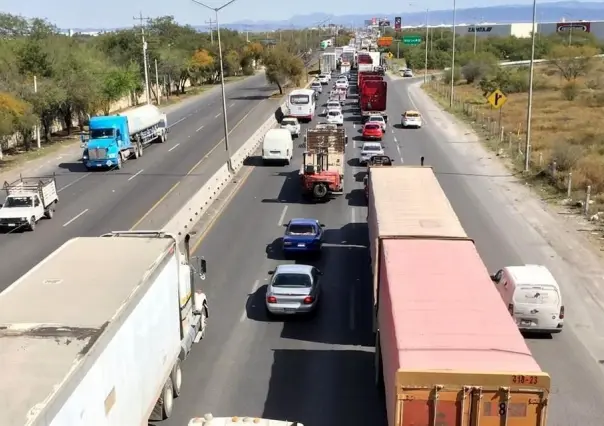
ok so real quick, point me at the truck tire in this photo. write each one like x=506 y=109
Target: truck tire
x=319 y=190
x=32 y=224
x=141 y=150
x=165 y=403
x=118 y=166
x=49 y=213
x=176 y=378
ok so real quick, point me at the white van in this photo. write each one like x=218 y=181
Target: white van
x=532 y=296
x=277 y=146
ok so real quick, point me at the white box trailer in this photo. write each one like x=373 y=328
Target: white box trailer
x=209 y=420
x=95 y=333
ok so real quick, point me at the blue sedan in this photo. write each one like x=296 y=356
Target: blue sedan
x=303 y=236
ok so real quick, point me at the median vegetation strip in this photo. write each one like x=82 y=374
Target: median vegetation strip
x=567 y=145
x=57 y=82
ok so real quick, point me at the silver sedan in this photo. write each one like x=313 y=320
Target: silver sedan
x=293 y=289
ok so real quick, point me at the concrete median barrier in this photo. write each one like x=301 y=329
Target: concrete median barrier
x=187 y=217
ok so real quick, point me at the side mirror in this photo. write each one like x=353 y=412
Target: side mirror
x=346 y=141
x=493 y=278
x=271 y=272
x=285 y=225
x=322 y=225
x=1 y=205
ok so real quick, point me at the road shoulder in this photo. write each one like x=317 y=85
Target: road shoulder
x=568 y=253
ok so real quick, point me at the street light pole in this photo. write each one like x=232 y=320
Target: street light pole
x=475 y=34
x=224 y=108
x=453 y=56
x=529 y=108
x=426 y=53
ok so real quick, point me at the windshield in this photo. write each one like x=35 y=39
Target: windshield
x=18 y=202
x=372 y=148
x=101 y=133
x=334 y=113
x=292 y=280
x=536 y=295
x=299 y=99
x=301 y=229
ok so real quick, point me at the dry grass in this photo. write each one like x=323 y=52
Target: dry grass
x=569 y=132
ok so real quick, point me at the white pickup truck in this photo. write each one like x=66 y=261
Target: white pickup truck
x=27 y=201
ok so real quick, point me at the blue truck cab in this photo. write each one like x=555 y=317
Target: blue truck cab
x=108 y=137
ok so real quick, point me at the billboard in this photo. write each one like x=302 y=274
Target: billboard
x=397 y=23
x=384 y=22
x=373 y=21
x=483 y=29
x=567 y=27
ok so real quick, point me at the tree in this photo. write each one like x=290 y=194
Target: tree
x=281 y=66
x=117 y=83
x=15 y=115
x=232 y=64
x=572 y=61
x=256 y=50
x=202 y=64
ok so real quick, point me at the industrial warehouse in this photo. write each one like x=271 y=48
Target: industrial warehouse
x=524 y=29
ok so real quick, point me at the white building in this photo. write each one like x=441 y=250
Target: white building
x=521 y=30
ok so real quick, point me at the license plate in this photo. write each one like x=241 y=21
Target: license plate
x=289 y=310
x=12 y=224
x=301 y=245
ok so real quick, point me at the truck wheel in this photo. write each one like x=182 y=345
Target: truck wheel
x=176 y=378
x=165 y=404
x=136 y=152
x=204 y=320
x=320 y=190
x=49 y=213
x=32 y=224
x=141 y=150
x=118 y=166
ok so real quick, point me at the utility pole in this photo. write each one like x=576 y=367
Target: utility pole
x=157 y=89
x=37 y=127
x=141 y=21
x=211 y=24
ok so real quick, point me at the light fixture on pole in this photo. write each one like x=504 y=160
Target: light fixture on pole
x=453 y=56
x=529 y=108
x=224 y=108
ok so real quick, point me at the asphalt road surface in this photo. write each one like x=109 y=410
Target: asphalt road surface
x=320 y=371
x=98 y=202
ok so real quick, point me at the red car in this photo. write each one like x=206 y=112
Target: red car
x=372 y=131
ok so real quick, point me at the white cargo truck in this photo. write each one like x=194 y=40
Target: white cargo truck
x=28 y=199
x=96 y=332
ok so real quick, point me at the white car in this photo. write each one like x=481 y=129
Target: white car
x=378 y=119
x=370 y=149
x=332 y=105
x=342 y=84
x=317 y=86
x=323 y=79
x=291 y=124
x=407 y=73
x=411 y=119
x=334 y=116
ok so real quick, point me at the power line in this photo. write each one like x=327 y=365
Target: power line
x=141 y=19
x=211 y=23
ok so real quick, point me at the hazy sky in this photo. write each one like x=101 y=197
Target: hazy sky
x=118 y=13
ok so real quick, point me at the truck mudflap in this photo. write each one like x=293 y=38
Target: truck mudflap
x=471 y=399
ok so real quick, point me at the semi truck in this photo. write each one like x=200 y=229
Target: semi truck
x=323 y=162
x=84 y=347
x=328 y=62
x=28 y=199
x=447 y=350
x=114 y=139
x=373 y=95
x=364 y=62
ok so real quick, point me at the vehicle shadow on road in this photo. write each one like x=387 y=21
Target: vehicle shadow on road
x=290 y=192
x=249 y=98
x=73 y=167
x=323 y=387
x=356 y=198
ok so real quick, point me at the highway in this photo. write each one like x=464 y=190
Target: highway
x=320 y=371
x=93 y=203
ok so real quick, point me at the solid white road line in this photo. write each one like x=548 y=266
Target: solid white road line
x=75 y=217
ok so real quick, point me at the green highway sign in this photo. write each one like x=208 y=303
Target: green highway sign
x=412 y=40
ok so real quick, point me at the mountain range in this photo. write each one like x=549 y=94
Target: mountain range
x=546 y=12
